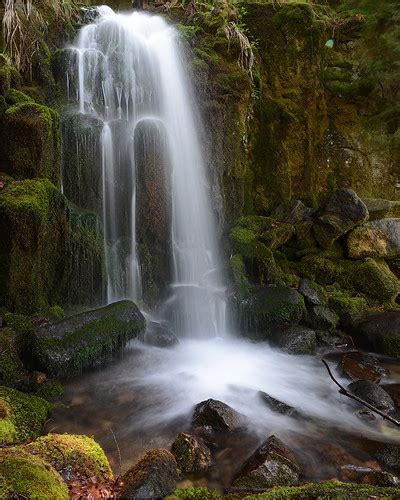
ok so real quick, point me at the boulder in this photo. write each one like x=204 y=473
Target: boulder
x=394 y=392
x=322 y=318
x=272 y=464
x=291 y=211
x=159 y=336
x=276 y=405
x=337 y=216
x=367 y=475
x=372 y=393
x=378 y=332
x=154 y=476
x=309 y=292
x=295 y=339
x=388 y=455
x=378 y=239
x=379 y=208
x=218 y=415
x=68 y=347
x=359 y=366
x=191 y=454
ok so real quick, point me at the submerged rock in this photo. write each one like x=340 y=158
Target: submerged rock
x=295 y=339
x=378 y=332
x=66 y=348
x=272 y=464
x=154 y=476
x=341 y=212
x=191 y=454
x=276 y=405
x=372 y=393
x=159 y=336
x=218 y=415
x=358 y=365
x=378 y=239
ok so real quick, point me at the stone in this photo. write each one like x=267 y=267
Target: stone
x=159 y=336
x=360 y=366
x=377 y=239
x=154 y=476
x=272 y=464
x=372 y=393
x=68 y=347
x=191 y=454
x=295 y=339
x=337 y=216
x=218 y=415
x=378 y=332
x=388 y=455
x=291 y=211
x=379 y=208
x=310 y=295
x=38 y=377
x=394 y=392
x=276 y=405
x=322 y=318
x=367 y=475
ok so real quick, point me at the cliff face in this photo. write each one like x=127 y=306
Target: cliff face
x=297 y=99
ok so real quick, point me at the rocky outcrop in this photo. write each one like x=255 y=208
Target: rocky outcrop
x=378 y=239
x=154 y=476
x=79 y=342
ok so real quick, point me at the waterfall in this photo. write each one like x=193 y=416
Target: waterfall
x=131 y=77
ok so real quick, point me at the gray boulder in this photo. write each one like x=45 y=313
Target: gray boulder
x=378 y=239
x=379 y=208
x=337 y=216
x=372 y=393
x=291 y=211
x=322 y=318
x=295 y=339
x=159 y=336
x=217 y=415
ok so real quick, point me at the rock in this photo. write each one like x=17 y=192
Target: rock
x=394 y=392
x=295 y=339
x=218 y=415
x=159 y=336
x=378 y=239
x=38 y=377
x=338 y=215
x=79 y=453
x=26 y=476
x=366 y=475
x=309 y=293
x=388 y=455
x=379 y=208
x=322 y=318
x=372 y=393
x=22 y=416
x=66 y=348
x=272 y=464
x=276 y=405
x=378 y=332
x=191 y=454
x=358 y=365
x=154 y=476
x=333 y=338
x=291 y=211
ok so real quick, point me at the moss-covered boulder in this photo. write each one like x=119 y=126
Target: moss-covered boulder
x=379 y=239
x=22 y=416
x=379 y=208
x=11 y=367
x=27 y=476
x=32 y=146
x=81 y=453
x=68 y=347
x=191 y=454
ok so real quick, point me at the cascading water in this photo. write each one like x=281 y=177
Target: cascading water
x=130 y=77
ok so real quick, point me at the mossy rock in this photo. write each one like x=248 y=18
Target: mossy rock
x=194 y=493
x=81 y=453
x=346 y=305
x=14 y=96
x=23 y=415
x=327 y=490
x=11 y=367
x=27 y=476
x=89 y=339
x=32 y=145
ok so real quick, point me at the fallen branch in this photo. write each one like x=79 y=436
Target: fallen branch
x=345 y=392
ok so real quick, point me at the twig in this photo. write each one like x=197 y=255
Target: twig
x=119 y=452
x=345 y=392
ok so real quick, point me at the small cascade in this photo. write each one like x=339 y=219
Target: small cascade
x=131 y=79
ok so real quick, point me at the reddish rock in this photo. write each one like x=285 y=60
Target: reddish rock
x=359 y=366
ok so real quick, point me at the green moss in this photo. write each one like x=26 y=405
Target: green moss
x=26 y=415
x=239 y=274
x=14 y=96
x=360 y=88
x=327 y=490
x=11 y=368
x=345 y=304
x=81 y=453
x=49 y=390
x=56 y=312
x=27 y=476
x=195 y=493
x=5 y=79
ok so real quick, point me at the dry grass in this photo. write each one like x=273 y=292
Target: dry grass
x=246 y=56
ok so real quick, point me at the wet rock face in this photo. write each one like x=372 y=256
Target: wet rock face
x=378 y=332
x=218 y=415
x=342 y=211
x=372 y=394
x=85 y=340
x=378 y=239
x=360 y=366
x=191 y=454
x=159 y=336
x=154 y=476
x=272 y=464
x=295 y=339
